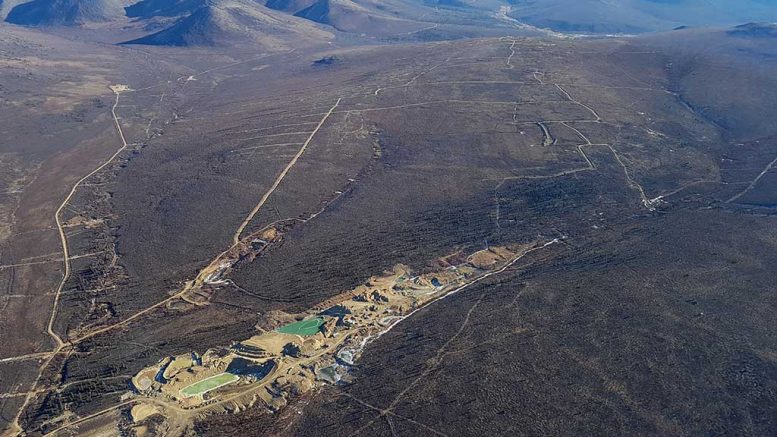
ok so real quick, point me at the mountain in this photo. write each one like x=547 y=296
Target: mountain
x=372 y=17
x=234 y=22
x=291 y=6
x=65 y=12
x=7 y=5
x=755 y=30
x=638 y=16
x=318 y=12
x=389 y=18
x=268 y=23
x=163 y=8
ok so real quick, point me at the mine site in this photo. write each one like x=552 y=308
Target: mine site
x=399 y=218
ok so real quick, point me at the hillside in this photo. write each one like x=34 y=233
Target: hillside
x=163 y=8
x=235 y=22
x=755 y=30
x=356 y=16
x=6 y=6
x=638 y=16
x=726 y=75
x=65 y=12
x=394 y=18
x=388 y=218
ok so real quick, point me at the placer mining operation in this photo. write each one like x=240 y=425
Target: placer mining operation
x=293 y=354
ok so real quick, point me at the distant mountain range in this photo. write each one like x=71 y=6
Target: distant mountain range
x=639 y=16
x=65 y=12
x=270 y=22
x=216 y=22
x=208 y=22
x=755 y=30
x=164 y=8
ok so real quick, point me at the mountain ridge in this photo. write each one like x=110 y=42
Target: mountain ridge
x=226 y=22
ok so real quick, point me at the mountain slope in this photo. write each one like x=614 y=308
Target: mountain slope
x=373 y=17
x=318 y=12
x=235 y=22
x=163 y=8
x=637 y=16
x=291 y=6
x=755 y=30
x=727 y=75
x=7 y=5
x=66 y=12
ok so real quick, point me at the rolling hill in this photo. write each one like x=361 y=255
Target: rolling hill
x=235 y=22
x=755 y=30
x=267 y=22
x=396 y=17
x=727 y=75
x=390 y=18
x=65 y=12
x=163 y=8
x=639 y=16
x=419 y=221
x=353 y=16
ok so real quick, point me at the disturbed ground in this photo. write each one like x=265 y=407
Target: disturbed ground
x=651 y=314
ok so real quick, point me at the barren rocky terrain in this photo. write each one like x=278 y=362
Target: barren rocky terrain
x=515 y=233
